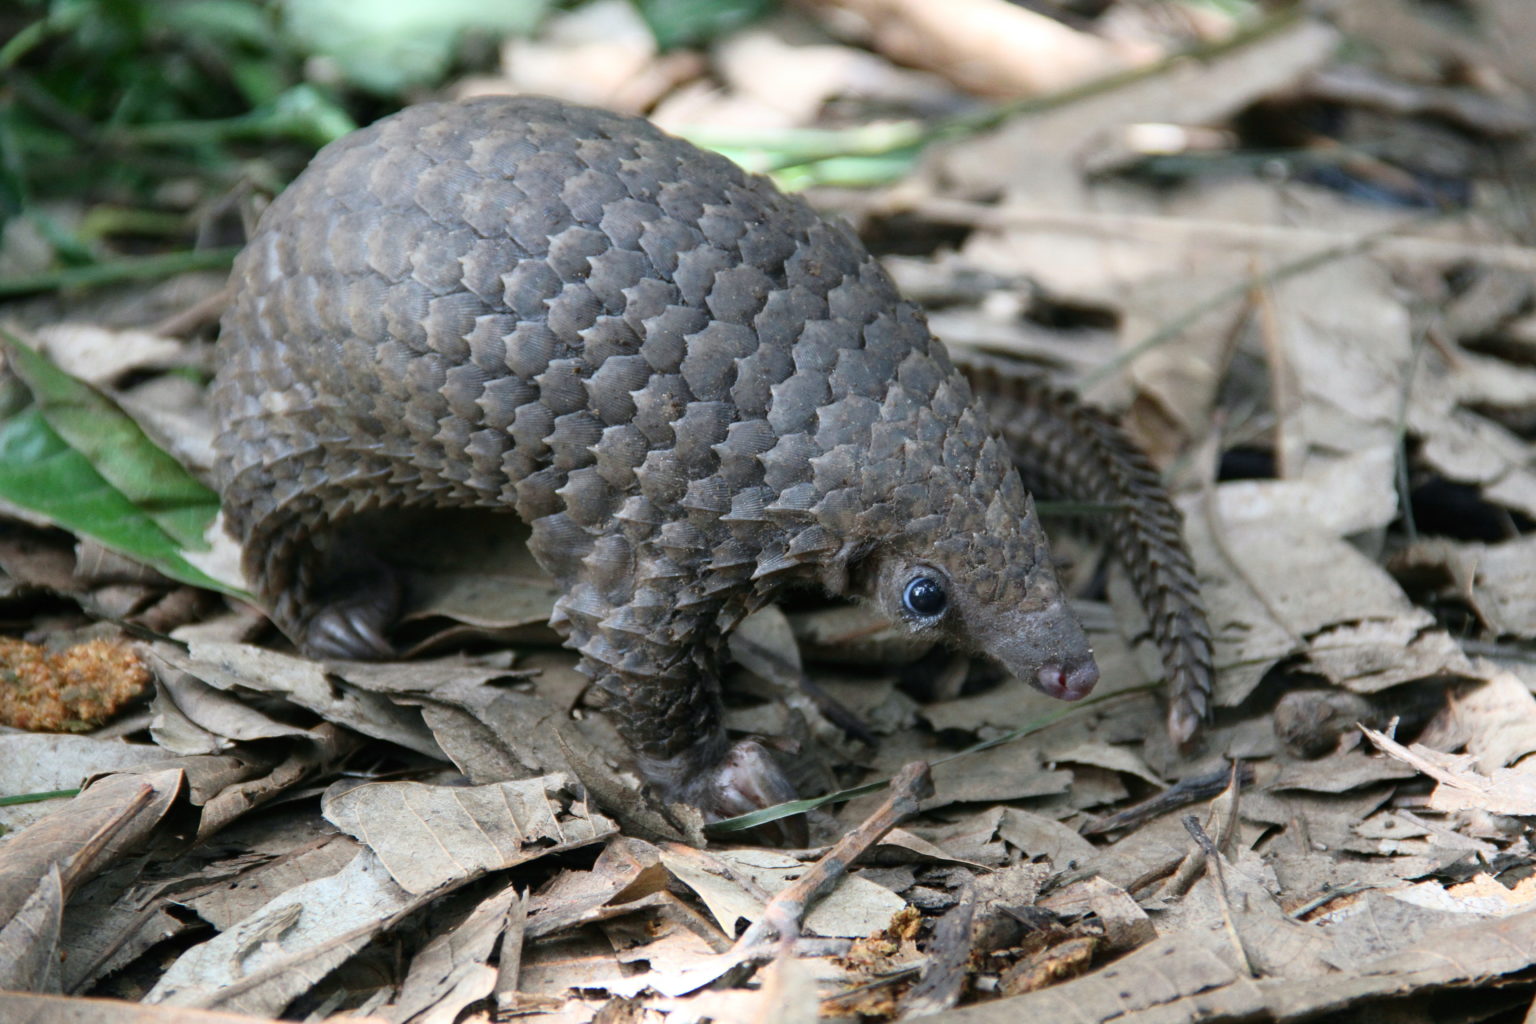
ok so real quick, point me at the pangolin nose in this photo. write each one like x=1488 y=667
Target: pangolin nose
x=1064 y=683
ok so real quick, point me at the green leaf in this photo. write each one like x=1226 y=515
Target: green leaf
x=76 y=459
x=686 y=22
x=93 y=425
x=225 y=21
x=389 y=45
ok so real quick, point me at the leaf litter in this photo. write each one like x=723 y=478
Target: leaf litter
x=1339 y=390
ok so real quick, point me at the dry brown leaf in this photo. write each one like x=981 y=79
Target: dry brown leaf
x=764 y=643
x=659 y=952
x=1036 y=158
x=46 y=763
x=223 y=905
x=44 y=864
x=627 y=867
x=1038 y=837
x=1344 y=355
x=781 y=74
x=29 y=941
x=1012 y=771
x=451 y=971
x=116 y=815
x=1169 y=981
x=288 y=946
x=100 y=355
x=989 y=47
x=1280 y=586
x=1125 y=924
x=971 y=837
x=582 y=961
x=1504 y=791
x=1499 y=721
x=237 y=667
x=788 y=995
x=733 y=898
x=1413 y=42
x=1339 y=772
x=1462 y=443
x=430 y=837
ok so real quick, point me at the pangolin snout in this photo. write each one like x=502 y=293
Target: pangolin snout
x=1064 y=683
x=1049 y=650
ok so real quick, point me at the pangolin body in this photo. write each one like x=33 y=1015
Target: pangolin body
x=693 y=388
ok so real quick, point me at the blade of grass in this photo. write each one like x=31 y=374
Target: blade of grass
x=36 y=798
x=137 y=268
x=302 y=112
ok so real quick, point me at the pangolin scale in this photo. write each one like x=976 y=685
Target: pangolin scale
x=691 y=387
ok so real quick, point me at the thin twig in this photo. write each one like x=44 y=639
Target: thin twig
x=1180 y=794
x=1213 y=858
x=783 y=914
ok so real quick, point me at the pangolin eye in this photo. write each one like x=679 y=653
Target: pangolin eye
x=924 y=597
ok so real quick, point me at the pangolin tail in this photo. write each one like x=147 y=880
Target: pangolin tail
x=1067 y=450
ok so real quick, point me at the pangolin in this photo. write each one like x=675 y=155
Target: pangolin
x=691 y=387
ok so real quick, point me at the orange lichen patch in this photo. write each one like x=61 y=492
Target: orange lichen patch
x=67 y=691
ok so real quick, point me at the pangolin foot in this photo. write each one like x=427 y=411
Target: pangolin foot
x=353 y=621
x=748 y=779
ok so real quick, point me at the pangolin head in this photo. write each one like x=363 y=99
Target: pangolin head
x=976 y=572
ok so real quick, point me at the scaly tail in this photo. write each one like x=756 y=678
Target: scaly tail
x=1066 y=450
